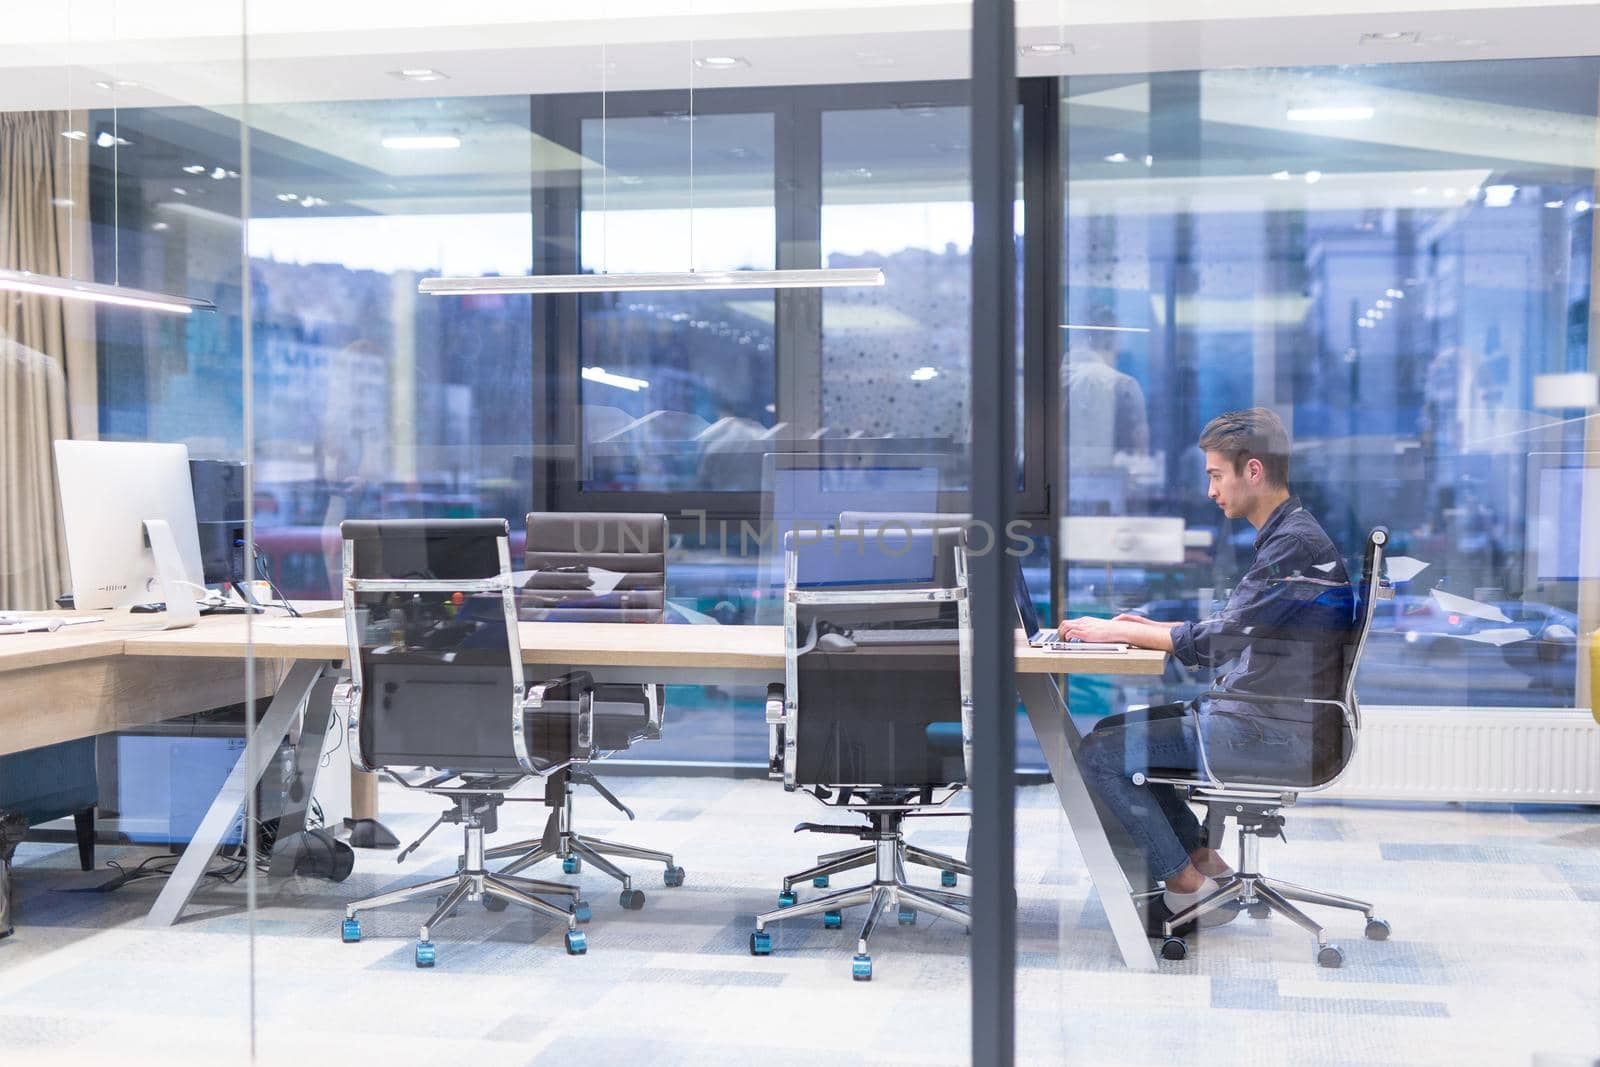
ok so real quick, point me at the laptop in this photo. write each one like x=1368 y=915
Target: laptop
x=1049 y=638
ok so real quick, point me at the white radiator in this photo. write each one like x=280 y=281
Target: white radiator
x=1477 y=754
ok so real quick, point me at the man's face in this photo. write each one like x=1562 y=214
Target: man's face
x=1231 y=490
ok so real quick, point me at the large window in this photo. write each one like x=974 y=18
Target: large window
x=677 y=389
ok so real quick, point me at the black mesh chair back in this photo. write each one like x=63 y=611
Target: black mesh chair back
x=595 y=567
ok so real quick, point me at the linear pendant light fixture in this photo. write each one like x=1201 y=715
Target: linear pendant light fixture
x=690 y=280
x=674 y=281
x=23 y=281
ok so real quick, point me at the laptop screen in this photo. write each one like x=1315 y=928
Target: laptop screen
x=1030 y=618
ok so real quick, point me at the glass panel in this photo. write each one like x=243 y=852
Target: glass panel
x=1304 y=304
x=120 y=471
x=677 y=389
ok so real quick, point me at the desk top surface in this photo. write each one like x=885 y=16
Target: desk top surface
x=758 y=648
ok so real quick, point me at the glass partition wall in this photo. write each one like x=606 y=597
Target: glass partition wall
x=122 y=394
x=1385 y=262
x=1383 y=244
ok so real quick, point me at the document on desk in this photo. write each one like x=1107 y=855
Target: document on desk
x=29 y=626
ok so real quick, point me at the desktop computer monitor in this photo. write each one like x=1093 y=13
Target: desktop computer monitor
x=219 y=518
x=109 y=489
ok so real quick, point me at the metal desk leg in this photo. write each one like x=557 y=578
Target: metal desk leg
x=262 y=747
x=1058 y=737
x=291 y=812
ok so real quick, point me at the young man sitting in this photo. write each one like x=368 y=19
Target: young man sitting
x=1283 y=629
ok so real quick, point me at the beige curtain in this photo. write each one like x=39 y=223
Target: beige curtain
x=48 y=381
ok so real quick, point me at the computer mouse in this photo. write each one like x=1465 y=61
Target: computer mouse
x=835 y=643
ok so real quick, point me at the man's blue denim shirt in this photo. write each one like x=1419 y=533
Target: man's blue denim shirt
x=1288 y=622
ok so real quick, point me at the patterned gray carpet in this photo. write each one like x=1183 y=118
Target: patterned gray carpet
x=1495 y=957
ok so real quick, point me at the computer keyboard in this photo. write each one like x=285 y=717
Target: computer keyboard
x=863 y=638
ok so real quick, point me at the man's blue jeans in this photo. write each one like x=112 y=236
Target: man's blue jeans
x=1157 y=817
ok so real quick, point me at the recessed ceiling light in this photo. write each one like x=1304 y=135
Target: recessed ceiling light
x=1048 y=48
x=107 y=139
x=1340 y=113
x=74 y=135
x=195 y=168
x=218 y=174
x=416 y=141
x=419 y=74
x=160 y=226
x=1581 y=206
x=1149 y=160
x=1391 y=37
x=924 y=374
x=1281 y=175
x=721 y=62
x=1313 y=177
x=1386 y=304
x=313 y=201
x=1117 y=157
x=1555 y=203
x=287 y=197
x=121 y=84
x=180 y=190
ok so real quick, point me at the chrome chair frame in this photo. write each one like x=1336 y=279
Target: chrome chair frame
x=1257 y=805
x=888 y=852
x=475 y=796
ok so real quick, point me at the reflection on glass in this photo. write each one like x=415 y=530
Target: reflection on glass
x=677 y=389
x=1397 y=288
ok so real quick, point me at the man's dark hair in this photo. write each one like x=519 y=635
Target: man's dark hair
x=1254 y=433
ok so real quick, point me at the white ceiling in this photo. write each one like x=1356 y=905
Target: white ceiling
x=191 y=51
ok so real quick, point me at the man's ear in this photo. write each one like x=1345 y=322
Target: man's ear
x=1254 y=471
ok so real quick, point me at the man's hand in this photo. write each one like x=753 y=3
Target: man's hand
x=1089 y=628
x=1134 y=630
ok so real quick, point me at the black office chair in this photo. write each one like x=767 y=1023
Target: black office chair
x=437 y=701
x=883 y=530
x=597 y=567
x=1255 y=801
x=864 y=718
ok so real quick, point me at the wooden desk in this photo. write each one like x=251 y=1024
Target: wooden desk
x=77 y=682
x=116 y=677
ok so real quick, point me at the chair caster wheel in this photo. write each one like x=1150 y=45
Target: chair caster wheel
x=572 y=864
x=1260 y=910
x=577 y=942
x=1174 y=948
x=760 y=943
x=820 y=881
x=1331 y=956
x=861 y=967
x=787 y=899
x=350 y=931
x=947 y=879
x=493 y=903
x=425 y=954
x=672 y=876
x=907 y=916
x=832 y=920
x=631 y=899
x=1377 y=930
x=580 y=911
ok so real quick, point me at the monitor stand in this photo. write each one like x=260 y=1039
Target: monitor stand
x=181 y=608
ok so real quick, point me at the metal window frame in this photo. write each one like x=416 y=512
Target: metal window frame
x=797 y=153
